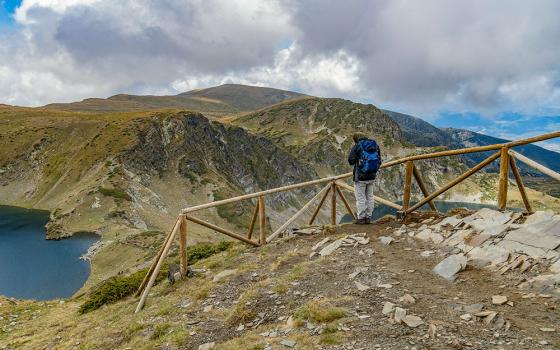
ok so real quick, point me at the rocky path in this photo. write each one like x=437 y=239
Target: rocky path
x=346 y=287
x=384 y=281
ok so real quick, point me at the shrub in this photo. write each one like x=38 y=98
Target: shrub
x=204 y=250
x=119 y=287
x=116 y=193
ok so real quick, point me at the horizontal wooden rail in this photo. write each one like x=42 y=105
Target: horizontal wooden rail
x=472 y=149
x=333 y=187
x=264 y=193
x=221 y=230
x=553 y=174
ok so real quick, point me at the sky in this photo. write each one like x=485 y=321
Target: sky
x=487 y=66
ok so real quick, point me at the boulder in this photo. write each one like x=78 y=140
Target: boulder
x=412 y=321
x=448 y=267
x=331 y=247
x=541 y=234
x=388 y=308
x=400 y=314
x=490 y=254
x=499 y=299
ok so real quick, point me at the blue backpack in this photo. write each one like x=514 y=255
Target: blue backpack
x=368 y=163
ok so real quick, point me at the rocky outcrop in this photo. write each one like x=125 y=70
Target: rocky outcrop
x=506 y=241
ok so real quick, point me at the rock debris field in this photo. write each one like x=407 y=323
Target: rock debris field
x=483 y=280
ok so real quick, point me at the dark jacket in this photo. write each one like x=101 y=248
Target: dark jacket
x=353 y=160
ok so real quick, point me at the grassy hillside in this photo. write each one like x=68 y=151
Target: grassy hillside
x=219 y=100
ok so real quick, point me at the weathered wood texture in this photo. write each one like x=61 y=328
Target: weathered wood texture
x=155 y=261
x=320 y=205
x=154 y=274
x=262 y=220
x=253 y=221
x=503 y=180
x=221 y=230
x=407 y=185
x=333 y=204
x=183 y=246
x=520 y=185
x=422 y=186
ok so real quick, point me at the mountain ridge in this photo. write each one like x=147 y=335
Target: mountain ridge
x=217 y=101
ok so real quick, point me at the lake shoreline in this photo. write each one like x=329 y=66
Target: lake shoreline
x=33 y=267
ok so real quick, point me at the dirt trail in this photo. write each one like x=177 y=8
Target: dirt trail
x=391 y=272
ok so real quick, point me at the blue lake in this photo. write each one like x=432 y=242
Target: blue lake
x=32 y=267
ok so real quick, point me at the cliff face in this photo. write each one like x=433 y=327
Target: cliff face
x=135 y=171
x=96 y=172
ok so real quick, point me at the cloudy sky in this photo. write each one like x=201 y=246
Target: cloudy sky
x=490 y=66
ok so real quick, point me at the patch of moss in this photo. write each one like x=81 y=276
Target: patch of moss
x=116 y=193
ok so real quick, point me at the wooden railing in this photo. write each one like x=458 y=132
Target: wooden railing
x=333 y=187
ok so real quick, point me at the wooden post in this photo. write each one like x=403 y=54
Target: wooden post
x=407 y=184
x=154 y=263
x=253 y=221
x=333 y=203
x=312 y=220
x=422 y=186
x=154 y=274
x=454 y=182
x=503 y=181
x=262 y=221
x=520 y=185
x=345 y=202
x=298 y=214
x=183 y=245
x=221 y=230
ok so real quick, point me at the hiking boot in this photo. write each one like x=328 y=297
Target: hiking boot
x=360 y=221
x=367 y=221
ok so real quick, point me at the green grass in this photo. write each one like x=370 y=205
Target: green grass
x=116 y=193
x=205 y=250
x=320 y=312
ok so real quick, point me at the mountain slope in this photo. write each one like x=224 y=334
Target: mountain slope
x=420 y=132
x=424 y=134
x=466 y=138
x=219 y=100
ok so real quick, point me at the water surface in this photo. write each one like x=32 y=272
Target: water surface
x=32 y=267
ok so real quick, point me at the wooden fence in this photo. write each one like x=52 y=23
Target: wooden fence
x=333 y=187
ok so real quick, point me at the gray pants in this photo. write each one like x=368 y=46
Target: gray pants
x=364 y=198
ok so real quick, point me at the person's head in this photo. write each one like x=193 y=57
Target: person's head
x=358 y=136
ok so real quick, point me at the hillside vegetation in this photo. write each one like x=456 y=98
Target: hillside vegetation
x=214 y=101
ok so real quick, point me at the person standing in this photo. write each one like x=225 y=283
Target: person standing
x=365 y=156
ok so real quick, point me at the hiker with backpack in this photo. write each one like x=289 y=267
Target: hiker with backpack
x=365 y=156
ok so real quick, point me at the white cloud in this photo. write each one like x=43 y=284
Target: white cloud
x=417 y=56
